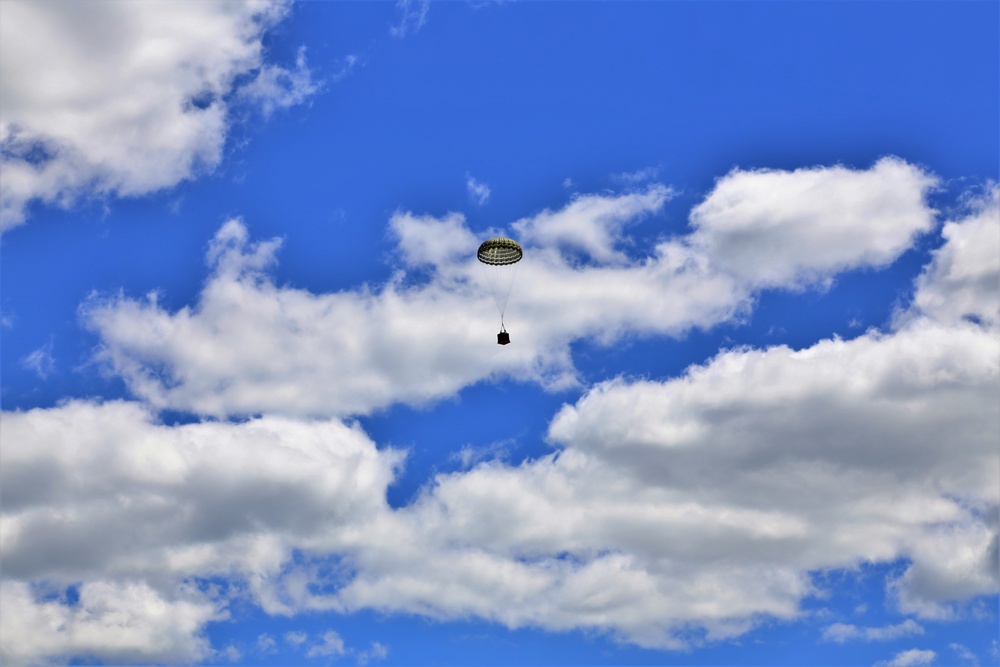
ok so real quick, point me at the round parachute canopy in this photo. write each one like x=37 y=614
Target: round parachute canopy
x=500 y=251
x=499 y=259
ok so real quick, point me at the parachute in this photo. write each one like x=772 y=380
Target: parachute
x=499 y=258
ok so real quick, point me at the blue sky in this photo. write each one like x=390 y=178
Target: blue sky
x=253 y=408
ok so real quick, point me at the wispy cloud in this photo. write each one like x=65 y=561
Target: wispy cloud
x=638 y=177
x=230 y=653
x=266 y=644
x=329 y=645
x=964 y=654
x=911 y=658
x=470 y=455
x=479 y=193
x=41 y=361
x=377 y=651
x=841 y=632
x=412 y=17
x=276 y=87
x=296 y=637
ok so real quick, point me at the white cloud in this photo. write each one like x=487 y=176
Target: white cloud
x=376 y=651
x=125 y=98
x=231 y=653
x=296 y=637
x=105 y=495
x=910 y=658
x=414 y=343
x=638 y=176
x=412 y=17
x=591 y=224
x=672 y=513
x=469 y=455
x=772 y=227
x=843 y=632
x=266 y=643
x=121 y=622
x=330 y=645
x=398 y=343
x=964 y=279
x=40 y=361
x=479 y=193
x=707 y=500
x=700 y=502
x=964 y=654
x=278 y=88
x=429 y=241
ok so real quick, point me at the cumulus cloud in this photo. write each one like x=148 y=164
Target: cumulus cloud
x=206 y=358
x=591 y=224
x=681 y=511
x=769 y=227
x=104 y=494
x=706 y=501
x=126 y=98
x=963 y=281
x=123 y=622
x=429 y=241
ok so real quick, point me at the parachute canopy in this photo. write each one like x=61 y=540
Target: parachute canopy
x=500 y=251
x=499 y=259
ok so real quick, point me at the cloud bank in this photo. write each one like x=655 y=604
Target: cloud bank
x=671 y=512
x=131 y=510
x=383 y=344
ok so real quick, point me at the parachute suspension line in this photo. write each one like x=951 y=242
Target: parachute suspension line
x=494 y=280
x=503 y=280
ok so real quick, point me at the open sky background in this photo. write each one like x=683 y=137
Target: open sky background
x=253 y=407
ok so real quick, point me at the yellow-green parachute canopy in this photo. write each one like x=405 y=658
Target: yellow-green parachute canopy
x=500 y=251
x=499 y=259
